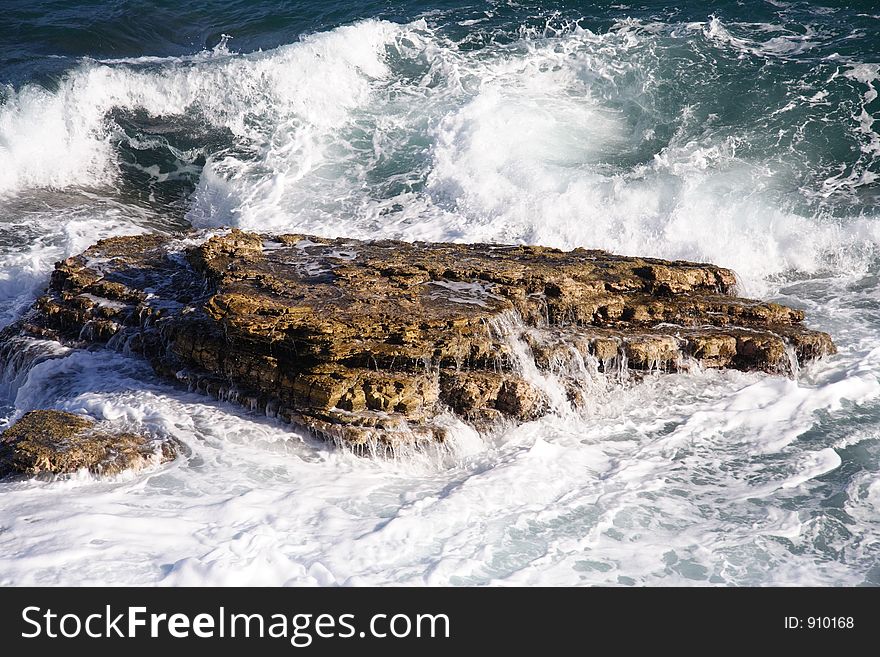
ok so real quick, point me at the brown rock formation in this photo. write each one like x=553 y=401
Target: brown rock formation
x=56 y=442
x=362 y=341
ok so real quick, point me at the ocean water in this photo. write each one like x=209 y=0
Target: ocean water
x=744 y=134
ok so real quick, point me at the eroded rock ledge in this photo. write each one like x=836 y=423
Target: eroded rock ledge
x=363 y=341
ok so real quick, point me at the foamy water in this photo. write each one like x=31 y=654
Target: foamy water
x=628 y=139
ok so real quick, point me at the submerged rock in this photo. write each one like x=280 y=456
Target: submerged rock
x=362 y=341
x=57 y=442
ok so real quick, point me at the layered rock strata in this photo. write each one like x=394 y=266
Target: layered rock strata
x=373 y=341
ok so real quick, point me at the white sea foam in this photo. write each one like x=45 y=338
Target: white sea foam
x=385 y=130
x=614 y=498
x=786 y=44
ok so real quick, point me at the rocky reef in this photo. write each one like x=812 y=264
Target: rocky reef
x=57 y=442
x=367 y=342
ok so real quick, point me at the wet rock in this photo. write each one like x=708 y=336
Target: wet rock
x=373 y=341
x=712 y=350
x=57 y=442
x=647 y=352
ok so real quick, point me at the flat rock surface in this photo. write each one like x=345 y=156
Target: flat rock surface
x=373 y=341
x=57 y=442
